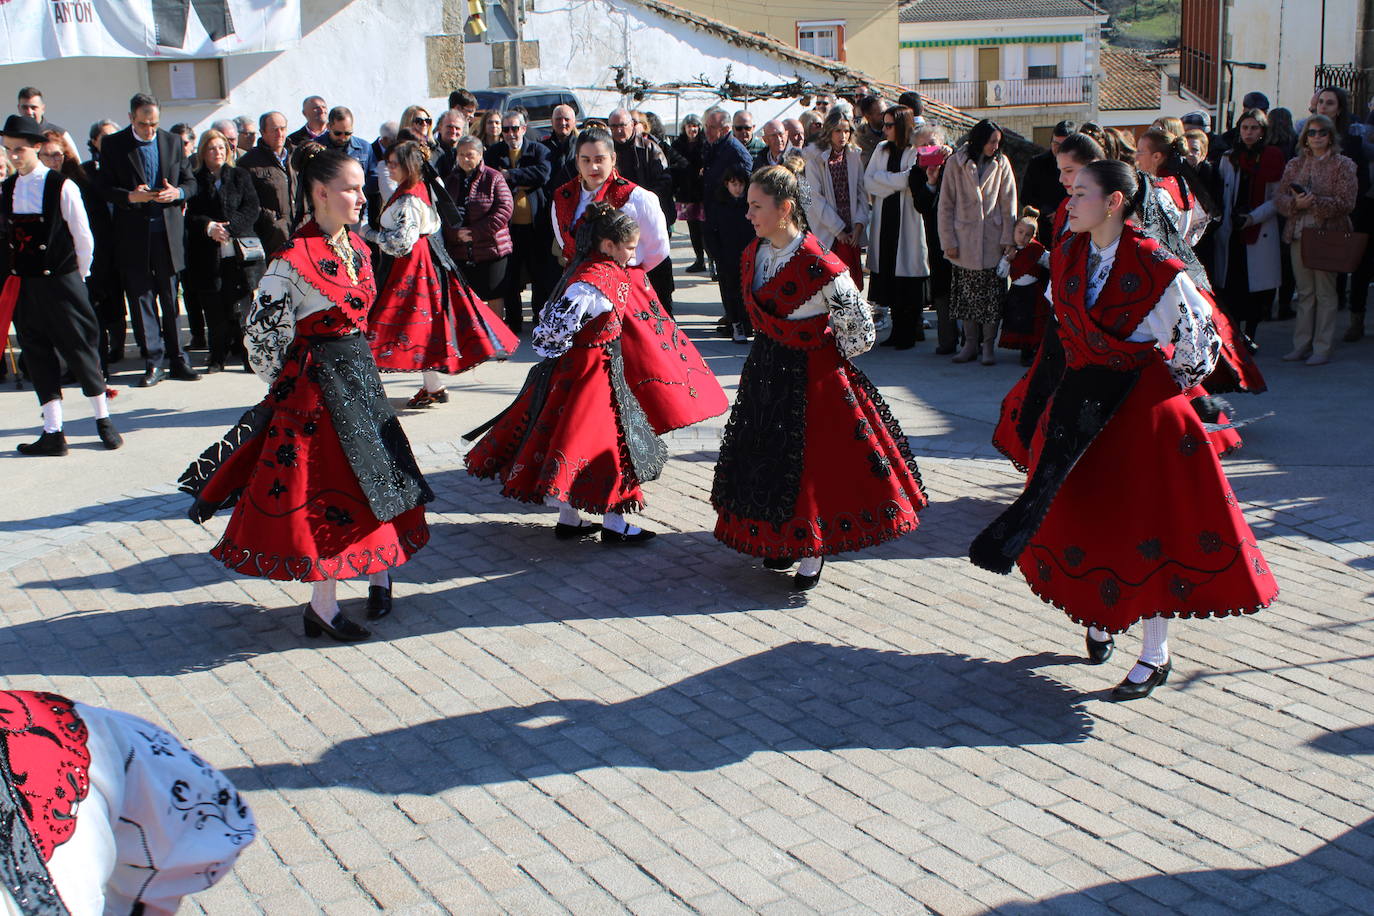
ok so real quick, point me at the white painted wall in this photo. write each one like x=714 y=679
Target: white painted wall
x=582 y=41
x=1285 y=35
x=366 y=54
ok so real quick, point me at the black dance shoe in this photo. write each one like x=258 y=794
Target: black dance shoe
x=109 y=436
x=342 y=629
x=378 y=601
x=573 y=532
x=48 y=445
x=696 y=267
x=1129 y=690
x=777 y=564
x=1099 y=652
x=806 y=583
x=615 y=539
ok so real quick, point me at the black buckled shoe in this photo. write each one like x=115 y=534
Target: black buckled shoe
x=806 y=583
x=778 y=564
x=1099 y=652
x=616 y=539
x=378 y=601
x=48 y=445
x=573 y=532
x=1129 y=690
x=342 y=629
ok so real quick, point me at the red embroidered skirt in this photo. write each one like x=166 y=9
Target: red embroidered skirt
x=1146 y=522
x=859 y=484
x=411 y=328
x=571 y=448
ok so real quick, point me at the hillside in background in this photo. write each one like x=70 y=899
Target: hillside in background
x=1142 y=23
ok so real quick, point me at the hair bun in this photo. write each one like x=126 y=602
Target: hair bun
x=598 y=209
x=1029 y=212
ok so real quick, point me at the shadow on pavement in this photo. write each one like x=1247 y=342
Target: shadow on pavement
x=796 y=697
x=1342 y=867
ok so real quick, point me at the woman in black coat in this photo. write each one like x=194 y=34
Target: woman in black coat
x=690 y=147
x=222 y=211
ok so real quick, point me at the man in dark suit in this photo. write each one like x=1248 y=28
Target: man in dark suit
x=1040 y=184
x=144 y=174
x=274 y=178
x=525 y=166
x=721 y=153
x=641 y=160
x=561 y=144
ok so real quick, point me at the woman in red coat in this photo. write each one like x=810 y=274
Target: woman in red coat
x=320 y=475
x=583 y=432
x=1126 y=515
x=812 y=462
x=426 y=318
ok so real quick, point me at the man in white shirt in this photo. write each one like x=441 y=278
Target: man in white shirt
x=51 y=249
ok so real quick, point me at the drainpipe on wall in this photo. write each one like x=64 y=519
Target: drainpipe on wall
x=1223 y=10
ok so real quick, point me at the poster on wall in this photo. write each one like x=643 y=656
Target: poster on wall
x=32 y=30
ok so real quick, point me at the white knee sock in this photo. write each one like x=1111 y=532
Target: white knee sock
x=809 y=566
x=324 y=600
x=380 y=579
x=1154 y=647
x=431 y=381
x=100 y=406
x=1099 y=635
x=614 y=521
x=52 y=416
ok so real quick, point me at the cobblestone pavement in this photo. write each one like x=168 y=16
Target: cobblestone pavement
x=546 y=727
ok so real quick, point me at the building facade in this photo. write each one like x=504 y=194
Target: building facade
x=1025 y=63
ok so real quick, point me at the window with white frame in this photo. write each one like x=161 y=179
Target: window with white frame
x=934 y=65
x=823 y=39
x=1042 y=62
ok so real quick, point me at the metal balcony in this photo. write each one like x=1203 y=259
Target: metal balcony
x=1061 y=90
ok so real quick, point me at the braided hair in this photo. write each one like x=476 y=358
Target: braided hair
x=785 y=182
x=315 y=165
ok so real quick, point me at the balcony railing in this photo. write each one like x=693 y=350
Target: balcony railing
x=1062 y=90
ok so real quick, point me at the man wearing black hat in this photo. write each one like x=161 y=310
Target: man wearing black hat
x=51 y=248
x=145 y=175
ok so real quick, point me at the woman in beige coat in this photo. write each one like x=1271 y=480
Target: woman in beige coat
x=838 y=210
x=977 y=218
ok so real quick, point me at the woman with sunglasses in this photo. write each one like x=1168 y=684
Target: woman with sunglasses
x=1318 y=190
x=838 y=209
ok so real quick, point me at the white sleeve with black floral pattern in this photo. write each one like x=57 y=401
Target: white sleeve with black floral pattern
x=402 y=225
x=579 y=304
x=271 y=323
x=851 y=317
x=1183 y=318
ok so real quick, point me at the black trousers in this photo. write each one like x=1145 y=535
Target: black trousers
x=152 y=287
x=543 y=267
x=524 y=240
x=224 y=313
x=661 y=279
x=54 y=319
x=731 y=293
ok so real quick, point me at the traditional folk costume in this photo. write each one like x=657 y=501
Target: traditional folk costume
x=104 y=812
x=1025 y=312
x=50 y=253
x=426 y=318
x=320 y=474
x=812 y=462
x=583 y=432
x=1126 y=514
x=572 y=199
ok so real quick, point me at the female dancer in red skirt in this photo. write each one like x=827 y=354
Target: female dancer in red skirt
x=1126 y=514
x=583 y=432
x=426 y=318
x=321 y=477
x=812 y=462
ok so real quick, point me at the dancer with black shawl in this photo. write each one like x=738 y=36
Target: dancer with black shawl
x=320 y=474
x=812 y=463
x=1126 y=515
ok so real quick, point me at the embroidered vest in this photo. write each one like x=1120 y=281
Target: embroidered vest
x=804 y=275
x=1026 y=262
x=41 y=245
x=1143 y=269
x=309 y=252
x=614 y=283
x=616 y=192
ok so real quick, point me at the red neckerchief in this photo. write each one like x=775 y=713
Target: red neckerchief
x=418 y=189
x=607 y=276
x=1170 y=184
x=614 y=191
x=45 y=741
x=1061 y=223
x=1140 y=273
x=1027 y=261
x=309 y=253
x=804 y=274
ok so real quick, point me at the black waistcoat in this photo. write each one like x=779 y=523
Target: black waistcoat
x=41 y=245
